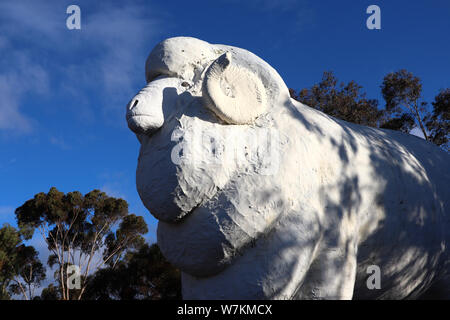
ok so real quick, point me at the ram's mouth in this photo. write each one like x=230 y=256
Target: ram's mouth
x=136 y=117
x=135 y=123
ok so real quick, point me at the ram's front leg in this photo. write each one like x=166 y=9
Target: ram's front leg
x=331 y=275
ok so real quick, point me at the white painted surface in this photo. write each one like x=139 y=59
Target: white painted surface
x=299 y=213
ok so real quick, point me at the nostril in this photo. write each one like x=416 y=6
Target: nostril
x=131 y=105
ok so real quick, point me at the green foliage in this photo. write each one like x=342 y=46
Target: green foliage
x=97 y=233
x=403 y=122
x=399 y=89
x=50 y=293
x=20 y=269
x=438 y=122
x=343 y=101
x=142 y=274
x=29 y=269
x=9 y=240
x=403 y=110
x=402 y=90
x=78 y=228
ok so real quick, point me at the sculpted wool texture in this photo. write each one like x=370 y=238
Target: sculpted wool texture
x=261 y=197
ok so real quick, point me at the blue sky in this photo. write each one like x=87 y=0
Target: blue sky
x=63 y=92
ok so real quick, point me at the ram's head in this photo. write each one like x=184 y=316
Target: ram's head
x=206 y=123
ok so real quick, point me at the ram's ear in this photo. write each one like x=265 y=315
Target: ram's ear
x=234 y=93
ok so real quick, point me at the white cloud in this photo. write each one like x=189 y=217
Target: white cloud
x=267 y=5
x=4 y=210
x=10 y=116
x=19 y=75
x=40 y=55
x=112 y=189
x=59 y=142
x=122 y=34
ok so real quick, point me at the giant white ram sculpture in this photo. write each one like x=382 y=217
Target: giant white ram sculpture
x=261 y=197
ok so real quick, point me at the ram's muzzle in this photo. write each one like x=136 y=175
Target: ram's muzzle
x=146 y=111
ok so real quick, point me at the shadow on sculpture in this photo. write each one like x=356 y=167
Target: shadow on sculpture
x=261 y=197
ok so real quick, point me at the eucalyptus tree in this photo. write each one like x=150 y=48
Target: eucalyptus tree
x=83 y=233
x=21 y=271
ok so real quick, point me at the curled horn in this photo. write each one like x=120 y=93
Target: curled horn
x=234 y=93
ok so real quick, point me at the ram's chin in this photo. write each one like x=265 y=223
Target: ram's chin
x=156 y=177
x=141 y=124
x=196 y=244
x=159 y=201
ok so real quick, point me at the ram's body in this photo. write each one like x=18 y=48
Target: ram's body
x=314 y=204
